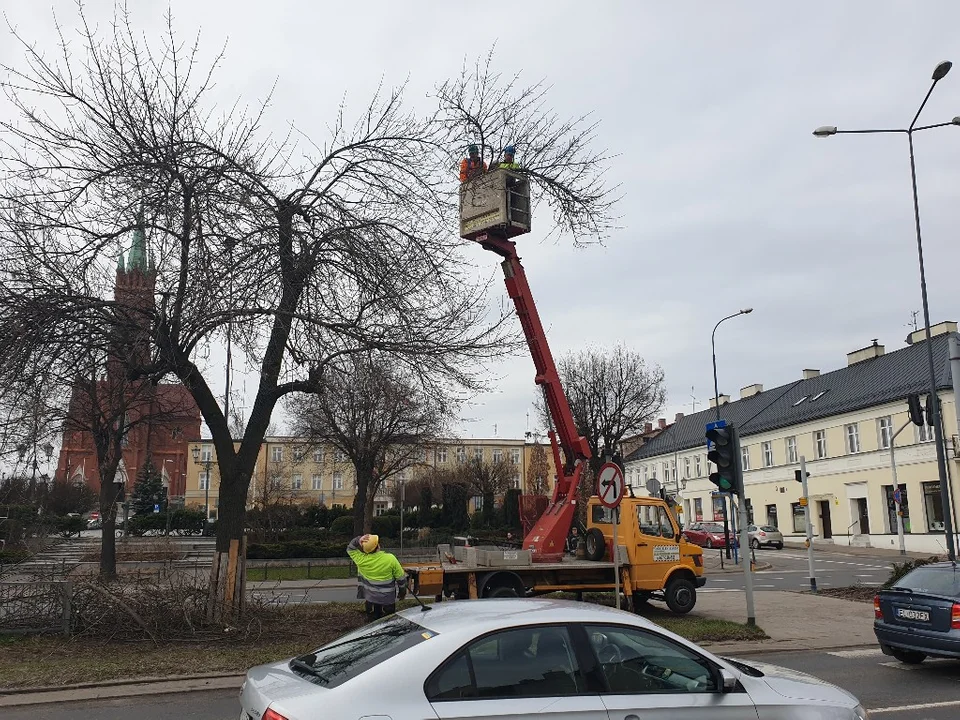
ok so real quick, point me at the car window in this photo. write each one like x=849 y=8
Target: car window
x=937 y=581
x=357 y=652
x=521 y=662
x=603 y=515
x=769 y=528
x=751 y=528
x=636 y=661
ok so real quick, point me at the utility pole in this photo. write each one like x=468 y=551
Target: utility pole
x=806 y=508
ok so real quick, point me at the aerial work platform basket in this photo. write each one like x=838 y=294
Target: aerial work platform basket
x=497 y=202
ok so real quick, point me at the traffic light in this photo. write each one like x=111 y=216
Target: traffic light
x=916 y=411
x=726 y=456
x=930 y=401
x=798 y=476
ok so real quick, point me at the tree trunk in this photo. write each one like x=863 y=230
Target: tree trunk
x=228 y=573
x=364 y=481
x=108 y=529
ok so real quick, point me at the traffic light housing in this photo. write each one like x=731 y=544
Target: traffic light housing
x=916 y=411
x=726 y=456
x=929 y=408
x=798 y=476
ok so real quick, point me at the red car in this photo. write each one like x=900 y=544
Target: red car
x=706 y=534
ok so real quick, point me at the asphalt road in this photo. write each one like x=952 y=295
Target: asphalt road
x=930 y=691
x=791 y=571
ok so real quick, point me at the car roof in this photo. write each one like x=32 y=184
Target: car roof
x=480 y=616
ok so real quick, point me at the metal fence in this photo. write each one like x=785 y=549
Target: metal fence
x=35 y=607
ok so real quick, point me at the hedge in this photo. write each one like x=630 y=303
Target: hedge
x=343 y=525
x=13 y=556
x=285 y=550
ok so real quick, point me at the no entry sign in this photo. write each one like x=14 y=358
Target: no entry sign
x=610 y=485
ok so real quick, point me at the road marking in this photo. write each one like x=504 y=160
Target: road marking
x=921 y=706
x=757 y=586
x=864 y=652
x=717 y=590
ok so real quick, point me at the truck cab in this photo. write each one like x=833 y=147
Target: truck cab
x=659 y=557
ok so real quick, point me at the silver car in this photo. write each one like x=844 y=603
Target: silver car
x=764 y=535
x=531 y=658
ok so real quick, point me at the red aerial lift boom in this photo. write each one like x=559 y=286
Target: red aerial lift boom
x=494 y=208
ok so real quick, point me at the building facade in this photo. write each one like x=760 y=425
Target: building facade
x=851 y=426
x=292 y=470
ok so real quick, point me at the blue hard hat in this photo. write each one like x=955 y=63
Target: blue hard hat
x=473 y=150
x=509 y=150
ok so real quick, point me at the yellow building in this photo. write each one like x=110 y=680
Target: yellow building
x=291 y=470
x=843 y=424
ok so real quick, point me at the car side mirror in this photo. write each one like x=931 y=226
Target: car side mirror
x=678 y=538
x=729 y=680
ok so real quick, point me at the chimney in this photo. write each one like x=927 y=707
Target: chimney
x=724 y=399
x=678 y=417
x=935 y=330
x=750 y=390
x=809 y=374
x=662 y=423
x=648 y=427
x=867 y=353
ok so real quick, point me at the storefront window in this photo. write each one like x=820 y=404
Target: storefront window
x=698 y=509
x=932 y=506
x=799 y=519
x=718 y=508
x=892 y=508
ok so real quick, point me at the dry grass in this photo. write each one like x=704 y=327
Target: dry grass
x=160 y=550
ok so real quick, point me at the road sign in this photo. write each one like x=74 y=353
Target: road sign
x=156 y=508
x=803 y=502
x=711 y=426
x=610 y=485
x=897 y=496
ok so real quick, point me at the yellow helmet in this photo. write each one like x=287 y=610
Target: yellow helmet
x=369 y=543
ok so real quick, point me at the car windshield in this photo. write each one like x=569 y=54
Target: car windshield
x=713 y=528
x=936 y=581
x=357 y=652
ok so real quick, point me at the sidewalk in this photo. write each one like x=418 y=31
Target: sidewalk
x=793 y=620
x=821 y=546
x=713 y=565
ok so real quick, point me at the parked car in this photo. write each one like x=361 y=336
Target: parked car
x=529 y=658
x=765 y=535
x=919 y=617
x=706 y=534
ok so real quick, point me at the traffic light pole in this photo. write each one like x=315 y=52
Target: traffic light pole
x=896 y=487
x=745 y=559
x=803 y=480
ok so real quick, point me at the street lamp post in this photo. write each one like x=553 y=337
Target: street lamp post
x=207 y=463
x=828 y=130
x=716 y=403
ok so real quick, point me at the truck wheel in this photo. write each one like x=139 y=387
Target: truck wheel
x=596 y=544
x=502 y=592
x=681 y=596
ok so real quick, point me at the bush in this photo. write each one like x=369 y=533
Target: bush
x=13 y=556
x=387 y=526
x=309 y=534
x=901 y=569
x=343 y=525
x=287 y=550
x=70 y=525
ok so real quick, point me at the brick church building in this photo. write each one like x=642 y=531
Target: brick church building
x=162 y=419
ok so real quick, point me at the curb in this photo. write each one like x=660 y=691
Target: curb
x=13 y=697
x=738 y=647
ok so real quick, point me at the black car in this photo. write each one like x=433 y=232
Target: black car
x=920 y=615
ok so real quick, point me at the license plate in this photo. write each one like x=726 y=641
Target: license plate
x=918 y=615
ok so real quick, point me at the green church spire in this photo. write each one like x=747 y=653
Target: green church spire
x=137 y=258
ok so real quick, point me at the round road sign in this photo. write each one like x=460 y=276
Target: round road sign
x=610 y=485
x=897 y=496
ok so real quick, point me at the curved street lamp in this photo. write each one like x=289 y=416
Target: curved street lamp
x=828 y=130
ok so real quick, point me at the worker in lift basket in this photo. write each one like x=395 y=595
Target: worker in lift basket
x=473 y=166
x=381 y=577
x=508 y=162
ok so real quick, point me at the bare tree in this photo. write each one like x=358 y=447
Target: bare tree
x=612 y=393
x=379 y=417
x=538 y=471
x=487 y=480
x=304 y=252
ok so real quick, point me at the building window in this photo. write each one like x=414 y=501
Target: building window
x=925 y=433
x=297 y=482
x=338 y=481
x=852 y=432
x=379 y=509
x=441 y=454
x=932 y=506
x=206 y=453
x=772 y=515
x=316 y=482
x=665 y=472
x=298 y=454
x=718 y=505
x=820 y=442
x=698 y=509
x=204 y=480
x=697 y=465
x=478 y=454
x=276 y=453
x=673 y=470
x=791 y=446
x=892 y=508
x=799 y=518
x=646 y=473
x=686 y=468
x=745 y=458
x=884 y=432
x=477 y=503
x=767 y=448
x=339 y=456
x=515 y=456
x=318 y=455
x=461 y=455
x=275 y=482
x=497 y=455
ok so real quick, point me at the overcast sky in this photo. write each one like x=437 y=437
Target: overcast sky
x=729 y=201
